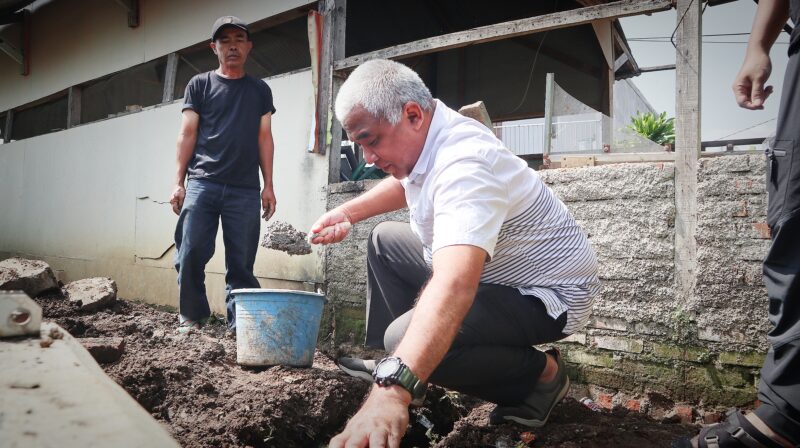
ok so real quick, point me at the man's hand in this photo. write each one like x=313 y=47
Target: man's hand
x=749 y=86
x=268 y=203
x=178 y=194
x=331 y=227
x=381 y=421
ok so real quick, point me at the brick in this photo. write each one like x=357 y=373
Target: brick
x=608 y=323
x=605 y=400
x=576 y=338
x=762 y=230
x=582 y=357
x=709 y=334
x=611 y=378
x=104 y=350
x=619 y=344
x=668 y=351
x=651 y=328
x=734 y=377
x=683 y=353
x=685 y=413
x=633 y=405
x=749 y=359
x=741 y=211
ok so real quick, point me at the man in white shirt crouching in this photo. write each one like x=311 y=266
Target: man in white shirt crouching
x=491 y=263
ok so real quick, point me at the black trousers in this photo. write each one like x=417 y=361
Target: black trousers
x=779 y=389
x=492 y=357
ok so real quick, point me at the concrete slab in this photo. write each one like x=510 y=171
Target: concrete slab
x=58 y=396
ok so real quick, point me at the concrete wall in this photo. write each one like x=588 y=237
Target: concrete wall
x=641 y=342
x=73 y=42
x=93 y=200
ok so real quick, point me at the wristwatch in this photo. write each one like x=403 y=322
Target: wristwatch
x=392 y=371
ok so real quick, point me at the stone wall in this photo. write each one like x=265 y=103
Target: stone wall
x=642 y=345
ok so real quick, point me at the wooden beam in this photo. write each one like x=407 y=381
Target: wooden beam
x=514 y=28
x=687 y=144
x=621 y=60
x=338 y=21
x=657 y=68
x=12 y=51
x=9 y=126
x=325 y=86
x=626 y=50
x=74 y=106
x=170 y=73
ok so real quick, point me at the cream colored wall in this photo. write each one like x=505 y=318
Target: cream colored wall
x=93 y=200
x=73 y=42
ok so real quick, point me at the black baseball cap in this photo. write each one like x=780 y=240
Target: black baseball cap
x=224 y=21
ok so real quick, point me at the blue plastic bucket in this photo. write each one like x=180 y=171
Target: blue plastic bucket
x=277 y=326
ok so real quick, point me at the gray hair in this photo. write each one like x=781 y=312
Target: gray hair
x=382 y=87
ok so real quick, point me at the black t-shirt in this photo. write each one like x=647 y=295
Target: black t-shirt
x=794 y=40
x=230 y=112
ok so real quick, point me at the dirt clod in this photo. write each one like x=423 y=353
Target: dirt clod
x=285 y=238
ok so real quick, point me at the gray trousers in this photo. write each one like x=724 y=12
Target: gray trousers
x=779 y=389
x=492 y=357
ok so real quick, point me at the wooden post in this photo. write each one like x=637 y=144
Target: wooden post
x=170 y=73
x=604 y=30
x=324 y=87
x=338 y=22
x=548 y=116
x=74 y=106
x=687 y=144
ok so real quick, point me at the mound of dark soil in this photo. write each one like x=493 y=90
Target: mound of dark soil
x=192 y=384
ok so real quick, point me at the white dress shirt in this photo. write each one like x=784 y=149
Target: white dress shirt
x=466 y=188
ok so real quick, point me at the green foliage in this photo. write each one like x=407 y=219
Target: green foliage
x=659 y=129
x=363 y=171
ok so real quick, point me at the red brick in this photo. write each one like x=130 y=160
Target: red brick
x=634 y=405
x=763 y=229
x=605 y=400
x=685 y=413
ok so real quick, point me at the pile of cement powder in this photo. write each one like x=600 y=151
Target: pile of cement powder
x=285 y=238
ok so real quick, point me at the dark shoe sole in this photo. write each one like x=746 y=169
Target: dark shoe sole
x=534 y=423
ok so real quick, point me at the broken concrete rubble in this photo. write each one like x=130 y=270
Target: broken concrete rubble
x=32 y=276
x=285 y=238
x=92 y=293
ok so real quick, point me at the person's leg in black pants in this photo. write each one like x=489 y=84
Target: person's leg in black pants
x=491 y=357
x=779 y=389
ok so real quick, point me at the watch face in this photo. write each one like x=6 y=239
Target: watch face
x=387 y=367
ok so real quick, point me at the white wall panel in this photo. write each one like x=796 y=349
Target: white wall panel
x=93 y=200
x=74 y=42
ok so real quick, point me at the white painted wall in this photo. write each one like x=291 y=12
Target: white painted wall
x=93 y=200
x=77 y=41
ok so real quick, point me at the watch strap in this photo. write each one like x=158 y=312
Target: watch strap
x=411 y=382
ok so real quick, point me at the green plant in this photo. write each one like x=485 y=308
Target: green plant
x=659 y=129
x=363 y=171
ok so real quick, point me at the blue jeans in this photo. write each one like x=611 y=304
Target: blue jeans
x=205 y=204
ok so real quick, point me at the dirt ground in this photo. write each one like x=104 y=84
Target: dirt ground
x=192 y=385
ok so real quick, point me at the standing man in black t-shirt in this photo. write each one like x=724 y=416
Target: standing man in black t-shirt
x=225 y=136
x=776 y=421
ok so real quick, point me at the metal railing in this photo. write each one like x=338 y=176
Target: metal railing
x=568 y=136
